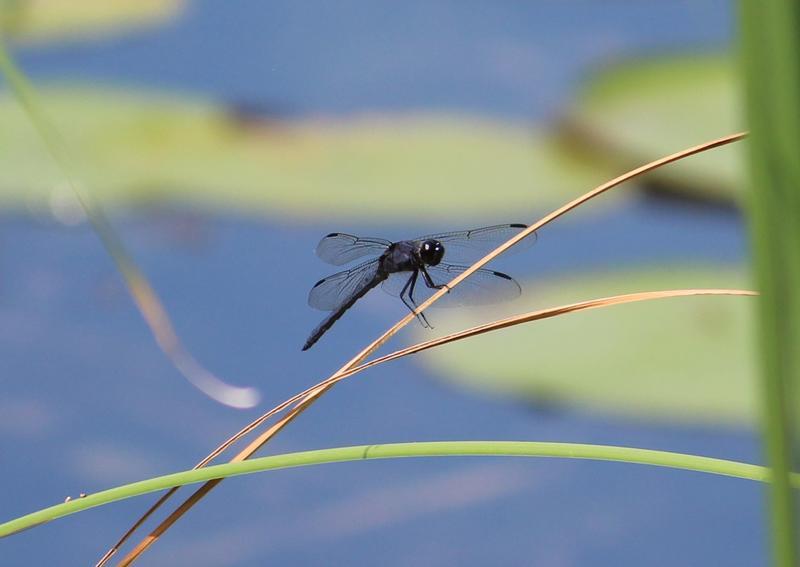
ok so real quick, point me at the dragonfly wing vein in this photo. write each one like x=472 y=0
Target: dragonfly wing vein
x=331 y=292
x=470 y=245
x=339 y=248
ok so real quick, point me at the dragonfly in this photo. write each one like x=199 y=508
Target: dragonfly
x=412 y=270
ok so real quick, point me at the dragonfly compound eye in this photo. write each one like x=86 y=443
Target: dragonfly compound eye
x=431 y=252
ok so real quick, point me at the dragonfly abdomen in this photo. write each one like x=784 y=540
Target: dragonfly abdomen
x=328 y=322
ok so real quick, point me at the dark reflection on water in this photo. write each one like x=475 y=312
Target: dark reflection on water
x=88 y=402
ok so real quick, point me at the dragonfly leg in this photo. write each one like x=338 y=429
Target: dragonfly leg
x=403 y=294
x=429 y=281
x=407 y=295
x=420 y=316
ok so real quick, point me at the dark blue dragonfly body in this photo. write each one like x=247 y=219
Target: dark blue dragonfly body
x=410 y=269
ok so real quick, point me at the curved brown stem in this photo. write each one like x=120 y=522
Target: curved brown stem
x=308 y=397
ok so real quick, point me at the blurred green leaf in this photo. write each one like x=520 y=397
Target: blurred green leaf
x=682 y=360
x=634 y=112
x=770 y=54
x=46 y=20
x=141 y=148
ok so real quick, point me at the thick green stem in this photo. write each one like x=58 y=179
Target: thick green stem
x=771 y=56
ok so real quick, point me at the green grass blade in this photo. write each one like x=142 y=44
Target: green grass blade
x=771 y=52
x=392 y=451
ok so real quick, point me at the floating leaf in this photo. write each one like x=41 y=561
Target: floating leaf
x=686 y=360
x=141 y=148
x=634 y=112
x=46 y=20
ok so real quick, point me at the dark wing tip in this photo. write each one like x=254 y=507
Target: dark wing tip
x=502 y=275
x=332 y=234
x=509 y=278
x=318 y=283
x=518 y=225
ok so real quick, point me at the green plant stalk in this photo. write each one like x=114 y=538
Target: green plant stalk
x=771 y=59
x=391 y=451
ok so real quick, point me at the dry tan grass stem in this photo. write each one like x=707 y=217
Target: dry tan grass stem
x=304 y=400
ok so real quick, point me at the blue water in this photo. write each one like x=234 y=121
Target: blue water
x=94 y=404
x=516 y=61
x=88 y=402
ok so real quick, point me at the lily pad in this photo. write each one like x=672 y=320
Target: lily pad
x=46 y=20
x=635 y=112
x=133 y=147
x=679 y=359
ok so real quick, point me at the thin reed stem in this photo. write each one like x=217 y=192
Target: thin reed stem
x=144 y=296
x=393 y=451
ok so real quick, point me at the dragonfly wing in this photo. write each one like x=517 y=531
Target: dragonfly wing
x=339 y=248
x=329 y=293
x=470 y=245
x=483 y=287
x=395 y=283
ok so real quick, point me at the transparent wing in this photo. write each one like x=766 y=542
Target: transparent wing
x=339 y=248
x=394 y=284
x=328 y=293
x=470 y=245
x=481 y=288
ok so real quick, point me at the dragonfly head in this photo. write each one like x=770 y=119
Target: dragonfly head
x=431 y=252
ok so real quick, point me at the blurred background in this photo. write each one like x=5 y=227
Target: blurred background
x=225 y=139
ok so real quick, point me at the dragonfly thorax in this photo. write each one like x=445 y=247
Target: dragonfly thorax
x=431 y=252
x=411 y=255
